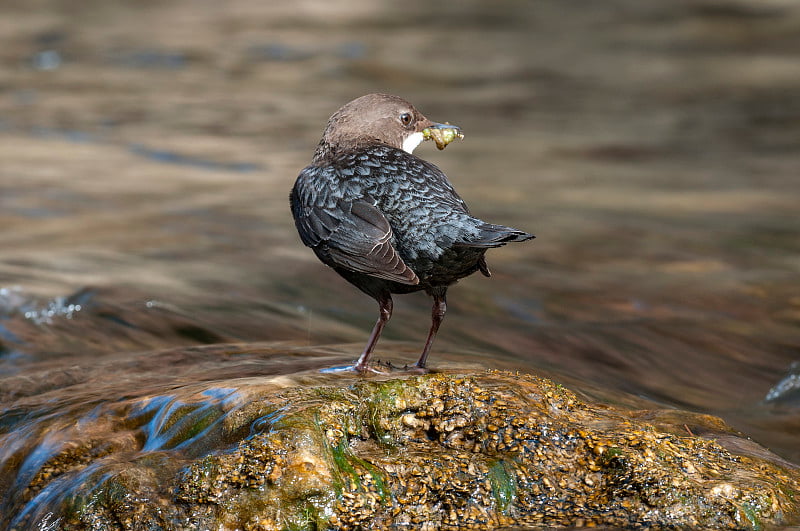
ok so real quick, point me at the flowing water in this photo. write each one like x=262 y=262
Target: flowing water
x=147 y=151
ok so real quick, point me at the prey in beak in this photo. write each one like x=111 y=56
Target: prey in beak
x=442 y=134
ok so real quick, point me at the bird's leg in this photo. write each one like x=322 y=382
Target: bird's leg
x=385 y=308
x=437 y=315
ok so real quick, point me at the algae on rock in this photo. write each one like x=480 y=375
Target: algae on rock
x=446 y=451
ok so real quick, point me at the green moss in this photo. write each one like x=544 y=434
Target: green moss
x=196 y=421
x=504 y=485
x=306 y=518
x=791 y=493
x=613 y=455
x=381 y=404
x=751 y=513
x=377 y=476
x=344 y=473
x=347 y=474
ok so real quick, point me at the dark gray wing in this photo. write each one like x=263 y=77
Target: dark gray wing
x=352 y=235
x=362 y=243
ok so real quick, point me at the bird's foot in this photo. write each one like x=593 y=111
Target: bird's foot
x=367 y=368
x=416 y=369
x=360 y=369
x=378 y=367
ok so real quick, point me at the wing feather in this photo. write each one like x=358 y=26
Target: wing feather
x=352 y=235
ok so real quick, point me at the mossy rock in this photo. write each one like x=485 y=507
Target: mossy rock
x=442 y=451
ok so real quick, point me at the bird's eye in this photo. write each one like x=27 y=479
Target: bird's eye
x=405 y=118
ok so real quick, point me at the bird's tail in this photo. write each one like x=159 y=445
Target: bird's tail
x=490 y=235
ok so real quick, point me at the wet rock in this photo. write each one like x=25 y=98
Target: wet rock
x=439 y=451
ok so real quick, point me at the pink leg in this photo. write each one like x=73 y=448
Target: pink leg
x=437 y=315
x=385 y=306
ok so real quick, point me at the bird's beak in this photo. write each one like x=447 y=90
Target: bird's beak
x=442 y=134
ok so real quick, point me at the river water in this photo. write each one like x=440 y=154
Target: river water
x=147 y=151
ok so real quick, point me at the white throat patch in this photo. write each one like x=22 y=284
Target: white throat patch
x=411 y=143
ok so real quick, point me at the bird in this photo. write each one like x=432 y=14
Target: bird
x=386 y=220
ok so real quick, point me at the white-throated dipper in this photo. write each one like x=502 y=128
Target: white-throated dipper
x=384 y=219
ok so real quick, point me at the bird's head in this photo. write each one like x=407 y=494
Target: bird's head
x=383 y=119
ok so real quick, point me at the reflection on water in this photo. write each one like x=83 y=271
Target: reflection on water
x=653 y=149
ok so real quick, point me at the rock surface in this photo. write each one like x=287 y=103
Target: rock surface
x=440 y=451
